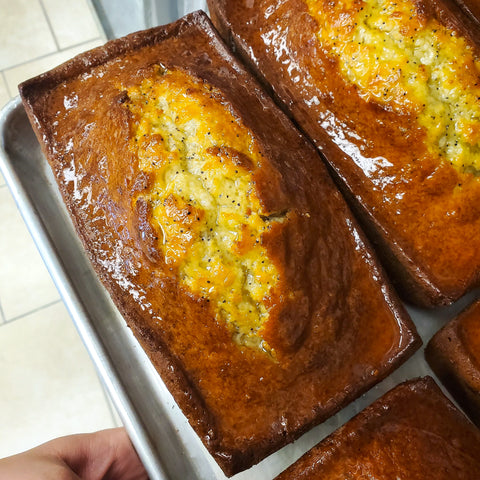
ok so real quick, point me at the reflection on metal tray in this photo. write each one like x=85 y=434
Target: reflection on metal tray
x=120 y=17
x=166 y=443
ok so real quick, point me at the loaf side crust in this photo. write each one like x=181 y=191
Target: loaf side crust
x=451 y=354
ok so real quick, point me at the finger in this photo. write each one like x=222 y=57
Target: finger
x=104 y=455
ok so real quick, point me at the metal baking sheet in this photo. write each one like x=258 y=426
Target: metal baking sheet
x=166 y=443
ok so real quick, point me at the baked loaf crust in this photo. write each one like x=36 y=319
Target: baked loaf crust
x=413 y=432
x=127 y=129
x=388 y=92
x=454 y=355
x=471 y=8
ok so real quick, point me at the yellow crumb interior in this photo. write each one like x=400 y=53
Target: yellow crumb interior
x=405 y=63
x=203 y=198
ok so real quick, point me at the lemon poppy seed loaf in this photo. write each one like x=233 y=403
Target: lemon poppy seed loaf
x=220 y=236
x=389 y=92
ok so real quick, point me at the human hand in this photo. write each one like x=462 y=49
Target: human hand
x=104 y=455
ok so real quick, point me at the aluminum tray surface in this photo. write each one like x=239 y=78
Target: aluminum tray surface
x=164 y=440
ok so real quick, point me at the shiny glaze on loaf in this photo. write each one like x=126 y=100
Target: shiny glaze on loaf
x=410 y=64
x=342 y=331
x=469 y=330
x=454 y=355
x=413 y=432
x=420 y=209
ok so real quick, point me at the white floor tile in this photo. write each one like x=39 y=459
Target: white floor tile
x=4 y=94
x=16 y=75
x=73 y=22
x=25 y=283
x=48 y=383
x=24 y=32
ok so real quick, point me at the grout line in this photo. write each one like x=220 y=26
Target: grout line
x=47 y=18
x=41 y=57
x=4 y=78
x=35 y=310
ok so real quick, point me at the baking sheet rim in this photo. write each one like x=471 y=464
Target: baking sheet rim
x=74 y=306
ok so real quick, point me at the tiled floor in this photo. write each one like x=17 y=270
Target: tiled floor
x=48 y=385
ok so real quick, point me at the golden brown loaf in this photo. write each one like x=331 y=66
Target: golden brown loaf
x=454 y=355
x=413 y=432
x=219 y=235
x=389 y=92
